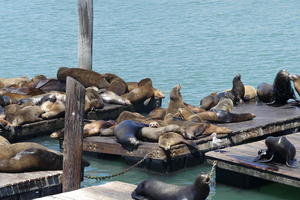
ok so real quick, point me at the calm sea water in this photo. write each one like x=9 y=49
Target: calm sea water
x=200 y=44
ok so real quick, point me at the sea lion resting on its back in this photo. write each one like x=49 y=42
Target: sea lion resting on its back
x=157 y=190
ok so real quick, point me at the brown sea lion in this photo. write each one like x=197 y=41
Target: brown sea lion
x=209 y=101
x=142 y=92
x=221 y=116
x=157 y=190
x=86 y=77
x=282 y=88
x=94 y=128
x=10 y=111
x=188 y=115
x=176 y=100
x=127 y=115
x=93 y=100
x=238 y=89
x=158 y=113
x=112 y=98
x=52 y=109
x=118 y=86
x=17 y=82
x=152 y=134
x=169 y=139
x=225 y=104
x=27 y=114
x=296 y=79
x=131 y=85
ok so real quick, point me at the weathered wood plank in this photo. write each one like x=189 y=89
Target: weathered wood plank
x=240 y=159
x=75 y=97
x=109 y=191
x=85 y=36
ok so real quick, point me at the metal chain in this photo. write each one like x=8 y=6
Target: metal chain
x=213 y=169
x=99 y=178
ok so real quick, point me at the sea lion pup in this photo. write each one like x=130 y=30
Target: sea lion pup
x=279 y=149
x=112 y=98
x=282 y=88
x=209 y=101
x=238 y=89
x=52 y=109
x=86 y=77
x=141 y=93
x=157 y=190
x=166 y=140
x=225 y=104
x=95 y=127
x=152 y=134
x=126 y=132
x=18 y=82
x=296 y=80
x=93 y=100
x=265 y=92
x=158 y=113
x=27 y=114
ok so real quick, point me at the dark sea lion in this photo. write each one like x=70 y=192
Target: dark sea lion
x=86 y=77
x=221 y=116
x=111 y=97
x=158 y=113
x=209 y=101
x=296 y=79
x=265 y=92
x=157 y=190
x=238 y=89
x=225 y=104
x=27 y=114
x=282 y=88
x=126 y=132
x=279 y=149
x=94 y=128
x=152 y=134
x=47 y=85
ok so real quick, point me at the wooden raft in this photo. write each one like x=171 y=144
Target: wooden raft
x=110 y=191
x=29 y=185
x=236 y=163
x=269 y=120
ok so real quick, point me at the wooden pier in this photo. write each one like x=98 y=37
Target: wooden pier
x=269 y=121
x=236 y=163
x=109 y=191
x=29 y=185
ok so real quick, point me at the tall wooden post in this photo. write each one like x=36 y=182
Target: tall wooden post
x=75 y=96
x=85 y=35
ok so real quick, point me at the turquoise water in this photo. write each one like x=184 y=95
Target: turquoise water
x=200 y=44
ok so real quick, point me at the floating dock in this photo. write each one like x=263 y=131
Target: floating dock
x=269 y=121
x=236 y=163
x=29 y=185
x=109 y=191
x=109 y=111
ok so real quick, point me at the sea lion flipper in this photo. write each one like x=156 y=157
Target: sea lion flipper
x=291 y=163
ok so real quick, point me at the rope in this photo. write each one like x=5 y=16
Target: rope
x=99 y=178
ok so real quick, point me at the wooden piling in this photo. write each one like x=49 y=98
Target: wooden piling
x=75 y=96
x=85 y=36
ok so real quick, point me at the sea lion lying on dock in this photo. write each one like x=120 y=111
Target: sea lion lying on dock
x=117 y=84
x=27 y=114
x=157 y=190
x=93 y=100
x=142 y=92
x=52 y=109
x=225 y=104
x=112 y=98
x=15 y=82
x=169 y=139
x=96 y=126
x=86 y=77
x=158 y=113
x=279 y=149
x=126 y=132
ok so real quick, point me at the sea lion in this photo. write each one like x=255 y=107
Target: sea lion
x=93 y=100
x=279 y=149
x=94 y=128
x=166 y=140
x=221 y=116
x=125 y=133
x=225 y=104
x=250 y=93
x=265 y=92
x=282 y=88
x=176 y=100
x=152 y=134
x=131 y=85
x=158 y=113
x=10 y=111
x=112 y=98
x=86 y=77
x=188 y=115
x=238 y=89
x=48 y=85
x=52 y=109
x=209 y=101
x=141 y=93
x=27 y=114
x=18 y=82
x=296 y=80
x=157 y=190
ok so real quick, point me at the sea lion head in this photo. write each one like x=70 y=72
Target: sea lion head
x=175 y=93
x=201 y=185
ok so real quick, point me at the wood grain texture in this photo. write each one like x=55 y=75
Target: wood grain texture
x=240 y=159
x=75 y=96
x=85 y=35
